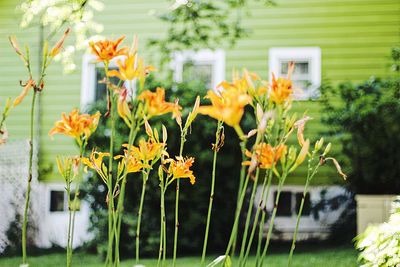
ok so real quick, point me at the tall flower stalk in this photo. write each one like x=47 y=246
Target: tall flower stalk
x=47 y=56
x=80 y=127
x=219 y=142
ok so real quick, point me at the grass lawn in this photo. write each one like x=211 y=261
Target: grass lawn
x=329 y=257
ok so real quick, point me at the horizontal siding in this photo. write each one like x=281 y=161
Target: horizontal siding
x=355 y=37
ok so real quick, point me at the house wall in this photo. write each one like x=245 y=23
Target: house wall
x=355 y=37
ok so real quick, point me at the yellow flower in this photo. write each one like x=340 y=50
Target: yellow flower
x=227 y=107
x=265 y=155
x=156 y=105
x=95 y=162
x=180 y=168
x=249 y=83
x=105 y=50
x=134 y=165
x=130 y=68
x=281 y=88
x=146 y=151
x=78 y=126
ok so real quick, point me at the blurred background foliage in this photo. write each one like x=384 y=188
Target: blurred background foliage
x=365 y=119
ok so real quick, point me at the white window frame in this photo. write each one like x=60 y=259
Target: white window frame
x=205 y=56
x=88 y=82
x=310 y=54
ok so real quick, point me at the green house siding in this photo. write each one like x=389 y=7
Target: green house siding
x=355 y=37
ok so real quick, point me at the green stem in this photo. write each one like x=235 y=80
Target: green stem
x=297 y=224
x=120 y=206
x=210 y=204
x=28 y=190
x=243 y=144
x=183 y=135
x=305 y=192
x=110 y=181
x=271 y=224
x=162 y=251
x=265 y=189
x=145 y=177
x=68 y=189
x=248 y=217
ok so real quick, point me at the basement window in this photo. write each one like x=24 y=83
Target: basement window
x=307 y=72
x=59 y=201
x=289 y=204
x=203 y=68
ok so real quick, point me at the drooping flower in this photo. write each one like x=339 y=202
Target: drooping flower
x=105 y=50
x=156 y=104
x=29 y=84
x=180 y=168
x=227 y=107
x=57 y=47
x=281 y=88
x=78 y=126
x=265 y=155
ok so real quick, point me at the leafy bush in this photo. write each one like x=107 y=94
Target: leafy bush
x=366 y=119
x=380 y=244
x=193 y=199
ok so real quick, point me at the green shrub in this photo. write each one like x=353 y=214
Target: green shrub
x=365 y=118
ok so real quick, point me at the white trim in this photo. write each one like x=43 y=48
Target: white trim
x=88 y=78
x=214 y=57
x=310 y=54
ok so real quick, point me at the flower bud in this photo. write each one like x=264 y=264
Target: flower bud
x=327 y=149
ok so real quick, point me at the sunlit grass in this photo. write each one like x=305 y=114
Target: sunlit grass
x=330 y=257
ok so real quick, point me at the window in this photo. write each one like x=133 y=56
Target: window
x=307 y=72
x=59 y=201
x=205 y=67
x=92 y=73
x=289 y=204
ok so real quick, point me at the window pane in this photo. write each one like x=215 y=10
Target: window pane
x=199 y=73
x=301 y=67
x=101 y=89
x=307 y=204
x=56 y=201
x=285 y=204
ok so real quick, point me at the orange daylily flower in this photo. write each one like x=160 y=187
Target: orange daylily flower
x=156 y=105
x=281 y=88
x=180 y=168
x=265 y=155
x=227 y=107
x=78 y=126
x=105 y=50
x=29 y=84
